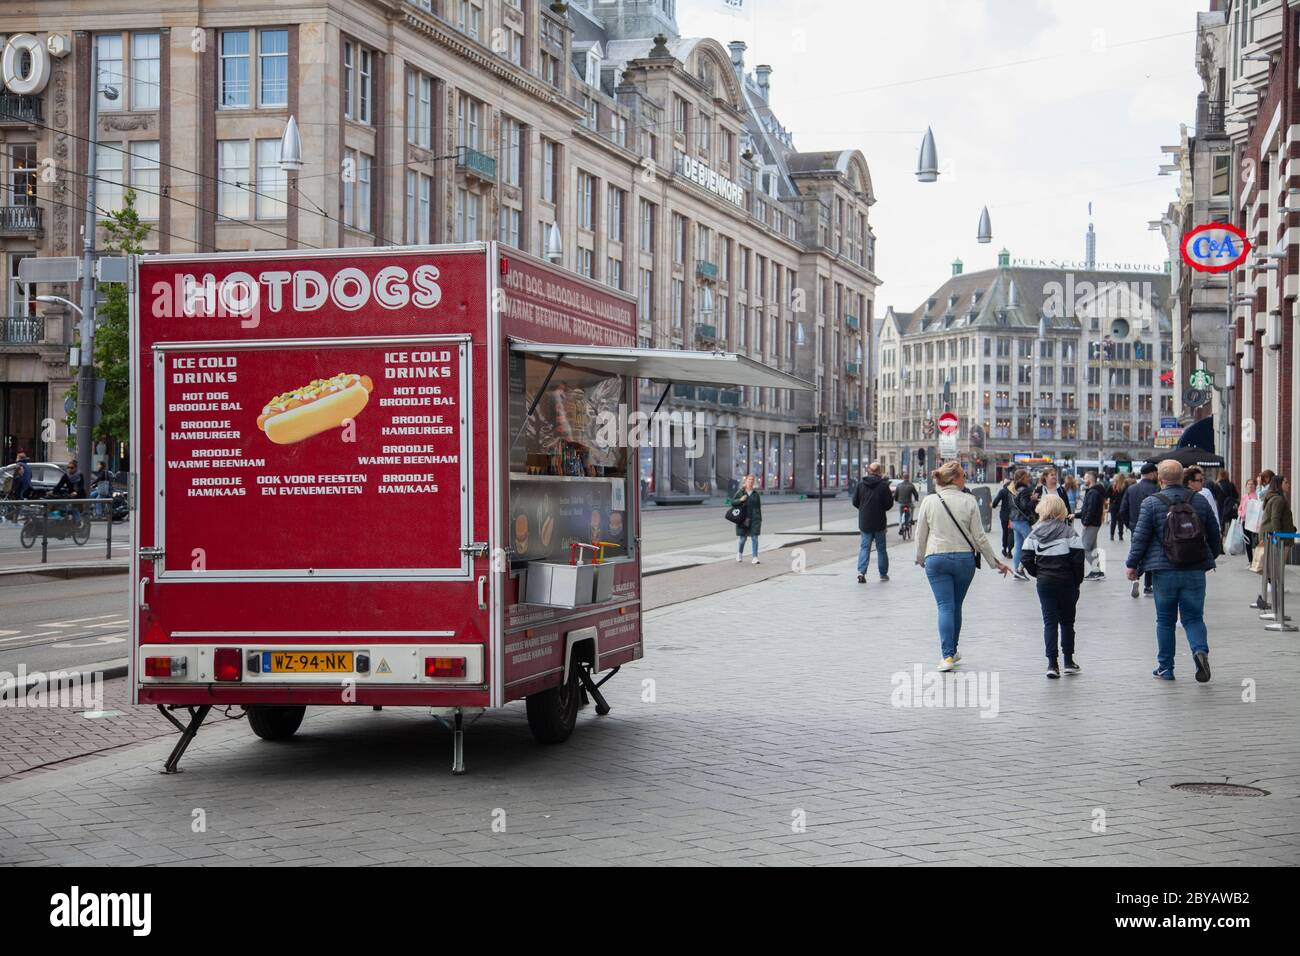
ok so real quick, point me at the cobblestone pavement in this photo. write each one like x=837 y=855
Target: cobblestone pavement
x=773 y=737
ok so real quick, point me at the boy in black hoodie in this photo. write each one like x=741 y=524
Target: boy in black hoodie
x=1054 y=554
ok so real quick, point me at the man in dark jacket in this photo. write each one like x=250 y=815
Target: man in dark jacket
x=1130 y=508
x=1179 y=589
x=873 y=499
x=1091 y=516
x=1002 y=500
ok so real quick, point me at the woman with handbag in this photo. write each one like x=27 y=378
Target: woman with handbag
x=751 y=520
x=1248 y=514
x=949 y=543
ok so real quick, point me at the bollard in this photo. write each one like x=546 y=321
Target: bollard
x=108 y=548
x=1279 y=617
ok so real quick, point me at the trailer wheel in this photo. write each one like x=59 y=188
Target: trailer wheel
x=275 y=723
x=553 y=713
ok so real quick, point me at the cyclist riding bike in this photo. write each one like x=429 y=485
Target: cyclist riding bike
x=905 y=521
x=906 y=495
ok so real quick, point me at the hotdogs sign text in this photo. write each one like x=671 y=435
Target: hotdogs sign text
x=248 y=297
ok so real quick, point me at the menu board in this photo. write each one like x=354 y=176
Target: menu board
x=314 y=460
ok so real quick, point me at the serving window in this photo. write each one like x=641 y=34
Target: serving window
x=569 y=478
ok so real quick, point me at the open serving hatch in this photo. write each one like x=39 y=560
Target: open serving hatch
x=555 y=583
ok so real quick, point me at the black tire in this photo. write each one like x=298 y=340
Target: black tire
x=275 y=722
x=553 y=713
x=81 y=529
x=27 y=537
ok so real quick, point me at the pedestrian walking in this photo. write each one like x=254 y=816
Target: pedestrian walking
x=1071 y=486
x=1277 y=517
x=1050 y=485
x=1228 y=500
x=1002 y=501
x=1175 y=540
x=1054 y=554
x=1131 y=507
x=101 y=486
x=949 y=543
x=1091 y=517
x=1264 y=486
x=751 y=526
x=1115 y=501
x=1022 y=519
x=873 y=499
x=1249 y=510
x=1194 y=481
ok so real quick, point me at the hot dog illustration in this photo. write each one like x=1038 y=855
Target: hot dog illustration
x=317 y=407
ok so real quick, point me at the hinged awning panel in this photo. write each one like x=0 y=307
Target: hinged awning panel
x=677 y=366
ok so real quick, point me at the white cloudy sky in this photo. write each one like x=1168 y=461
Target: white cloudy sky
x=1106 y=84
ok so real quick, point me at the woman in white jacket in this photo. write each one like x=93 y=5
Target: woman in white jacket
x=949 y=533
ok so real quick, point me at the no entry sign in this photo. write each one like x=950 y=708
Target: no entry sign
x=948 y=423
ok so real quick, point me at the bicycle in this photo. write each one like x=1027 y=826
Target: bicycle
x=905 y=524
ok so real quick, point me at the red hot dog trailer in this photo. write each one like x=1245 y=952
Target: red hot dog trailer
x=365 y=477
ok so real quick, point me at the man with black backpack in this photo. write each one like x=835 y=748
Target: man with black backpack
x=873 y=499
x=1175 y=539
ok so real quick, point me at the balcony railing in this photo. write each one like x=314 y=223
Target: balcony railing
x=21 y=110
x=851 y=415
x=476 y=163
x=729 y=396
x=22 y=330
x=705 y=333
x=705 y=269
x=853 y=369
x=21 y=220
x=851 y=323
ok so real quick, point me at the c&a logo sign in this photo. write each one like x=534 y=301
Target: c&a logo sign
x=1215 y=247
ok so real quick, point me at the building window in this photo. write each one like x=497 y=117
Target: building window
x=349 y=186
x=108 y=169
x=549 y=150
x=358 y=67
x=647 y=226
x=467 y=209
x=22 y=174
x=364 y=69
x=108 y=48
x=511 y=152
x=509 y=228
x=614 y=272
x=550 y=69
x=681 y=111
x=646 y=296
x=232 y=173
x=469 y=17
x=586 y=263
x=273 y=68
x=1221 y=177
x=469 y=115
x=679 y=296
x=145 y=178
x=614 y=215
x=272 y=181
x=586 y=200
x=364 y=167
x=145 y=72
x=679 y=239
x=419 y=109
x=234 y=69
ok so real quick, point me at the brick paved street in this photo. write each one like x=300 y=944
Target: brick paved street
x=753 y=728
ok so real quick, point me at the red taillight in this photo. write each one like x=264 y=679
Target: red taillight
x=444 y=667
x=164 y=667
x=227 y=663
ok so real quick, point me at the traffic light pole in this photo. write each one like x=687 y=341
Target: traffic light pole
x=86 y=372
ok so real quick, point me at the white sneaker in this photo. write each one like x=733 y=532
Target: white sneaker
x=756 y=560
x=739 y=558
x=956 y=657
x=947 y=664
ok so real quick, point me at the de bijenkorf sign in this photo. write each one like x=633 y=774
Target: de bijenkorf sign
x=1215 y=247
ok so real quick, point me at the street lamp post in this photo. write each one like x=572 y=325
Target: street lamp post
x=86 y=371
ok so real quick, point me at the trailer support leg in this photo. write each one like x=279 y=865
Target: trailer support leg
x=458 y=745
x=592 y=688
x=197 y=716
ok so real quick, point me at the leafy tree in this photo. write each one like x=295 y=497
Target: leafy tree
x=124 y=235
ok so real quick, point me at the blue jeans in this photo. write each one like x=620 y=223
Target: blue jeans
x=1021 y=530
x=864 y=552
x=1179 y=594
x=950 y=576
x=740 y=541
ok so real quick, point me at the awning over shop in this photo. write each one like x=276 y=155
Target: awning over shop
x=1199 y=435
x=668 y=366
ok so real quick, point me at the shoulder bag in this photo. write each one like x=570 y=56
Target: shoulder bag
x=974 y=550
